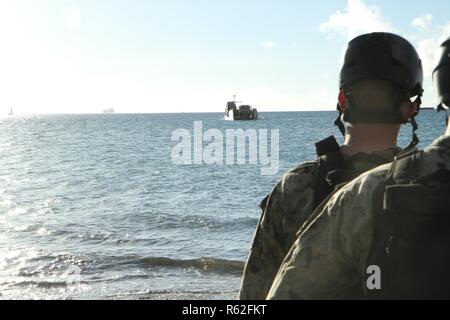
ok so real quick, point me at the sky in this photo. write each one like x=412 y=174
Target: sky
x=139 y=56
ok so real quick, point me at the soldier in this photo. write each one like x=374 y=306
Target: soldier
x=386 y=233
x=380 y=74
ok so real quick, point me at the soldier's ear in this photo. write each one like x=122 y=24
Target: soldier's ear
x=342 y=101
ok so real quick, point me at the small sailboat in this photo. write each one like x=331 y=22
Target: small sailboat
x=11 y=112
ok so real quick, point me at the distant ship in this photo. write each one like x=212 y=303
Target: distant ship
x=11 y=113
x=241 y=112
x=109 y=110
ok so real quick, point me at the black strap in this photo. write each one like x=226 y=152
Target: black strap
x=338 y=122
x=415 y=139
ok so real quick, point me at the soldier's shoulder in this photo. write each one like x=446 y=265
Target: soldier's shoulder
x=309 y=168
x=295 y=180
x=298 y=183
x=376 y=175
x=301 y=176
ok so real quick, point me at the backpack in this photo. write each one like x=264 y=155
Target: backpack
x=411 y=243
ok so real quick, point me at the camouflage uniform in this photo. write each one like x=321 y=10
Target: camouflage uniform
x=285 y=209
x=330 y=256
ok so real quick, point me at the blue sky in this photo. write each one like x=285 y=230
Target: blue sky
x=62 y=56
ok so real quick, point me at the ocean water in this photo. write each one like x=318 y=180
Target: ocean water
x=93 y=207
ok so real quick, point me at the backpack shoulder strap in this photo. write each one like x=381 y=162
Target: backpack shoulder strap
x=405 y=167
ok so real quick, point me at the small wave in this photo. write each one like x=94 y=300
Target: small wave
x=210 y=223
x=176 y=295
x=248 y=222
x=41 y=284
x=97 y=263
x=203 y=264
x=206 y=264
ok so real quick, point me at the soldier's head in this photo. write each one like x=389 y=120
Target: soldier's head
x=376 y=101
x=380 y=80
x=441 y=77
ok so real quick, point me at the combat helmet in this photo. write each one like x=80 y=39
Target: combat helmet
x=385 y=56
x=441 y=76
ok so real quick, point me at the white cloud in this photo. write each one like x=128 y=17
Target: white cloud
x=269 y=44
x=427 y=47
x=73 y=17
x=422 y=22
x=427 y=50
x=319 y=99
x=357 y=18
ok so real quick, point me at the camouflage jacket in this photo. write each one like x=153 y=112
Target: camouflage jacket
x=330 y=255
x=285 y=210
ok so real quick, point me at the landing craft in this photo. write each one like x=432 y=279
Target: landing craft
x=241 y=112
x=108 y=111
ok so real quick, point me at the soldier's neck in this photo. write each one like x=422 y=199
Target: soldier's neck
x=369 y=138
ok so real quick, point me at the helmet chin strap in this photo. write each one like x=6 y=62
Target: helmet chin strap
x=338 y=122
x=415 y=139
